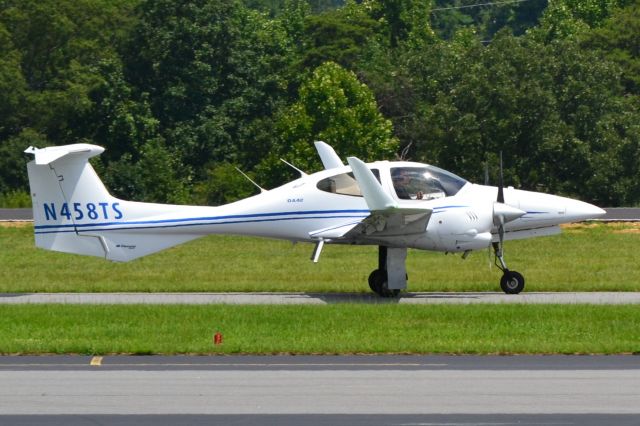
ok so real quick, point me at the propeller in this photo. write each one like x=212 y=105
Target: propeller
x=486 y=174
x=503 y=213
x=500 y=183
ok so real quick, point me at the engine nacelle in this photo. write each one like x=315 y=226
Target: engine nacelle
x=463 y=228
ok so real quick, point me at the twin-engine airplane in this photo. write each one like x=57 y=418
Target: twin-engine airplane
x=392 y=204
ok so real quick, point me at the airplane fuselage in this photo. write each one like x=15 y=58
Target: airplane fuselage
x=394 y=205
x=460 y=222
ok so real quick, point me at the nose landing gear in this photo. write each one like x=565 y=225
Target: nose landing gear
x=512 y=282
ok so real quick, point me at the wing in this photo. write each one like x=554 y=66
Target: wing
x=379 y=224
x=387 y=219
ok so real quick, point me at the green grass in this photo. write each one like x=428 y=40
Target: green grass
x=330 y=329
x=584 y=258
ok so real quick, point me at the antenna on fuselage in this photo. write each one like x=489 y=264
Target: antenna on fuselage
x=302 y=174
x=251 y=180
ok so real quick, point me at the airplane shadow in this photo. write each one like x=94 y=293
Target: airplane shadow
x=14 y=294
x=334 y=298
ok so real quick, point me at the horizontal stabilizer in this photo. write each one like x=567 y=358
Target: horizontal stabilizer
x=52 y=153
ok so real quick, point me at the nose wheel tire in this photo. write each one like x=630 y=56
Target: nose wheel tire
x=378 y=284
x=512 y=282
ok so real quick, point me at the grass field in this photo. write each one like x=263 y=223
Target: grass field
x=591 y=257
x=331 y=329
x=584 y=258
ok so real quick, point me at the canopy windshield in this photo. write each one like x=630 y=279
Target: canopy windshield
x=425 y=183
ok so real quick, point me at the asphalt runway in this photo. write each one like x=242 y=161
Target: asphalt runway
x=320 y=390
x=595 y=298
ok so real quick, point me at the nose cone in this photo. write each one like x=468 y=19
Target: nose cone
x=578 y=210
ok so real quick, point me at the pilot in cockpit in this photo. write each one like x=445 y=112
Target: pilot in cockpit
x=416 y=184
x=402 y=183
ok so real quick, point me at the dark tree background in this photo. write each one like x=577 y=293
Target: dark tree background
x=180 y=92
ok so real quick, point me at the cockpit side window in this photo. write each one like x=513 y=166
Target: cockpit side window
x=425 y=183
x=344 y=184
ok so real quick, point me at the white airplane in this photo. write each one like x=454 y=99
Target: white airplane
x=392 y=204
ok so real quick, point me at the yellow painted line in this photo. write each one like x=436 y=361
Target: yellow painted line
x=96 y=361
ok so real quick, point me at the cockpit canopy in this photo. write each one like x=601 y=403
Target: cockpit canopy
x=409 y=183
x=424 y=183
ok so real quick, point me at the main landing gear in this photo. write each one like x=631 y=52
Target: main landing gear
x=391 y=275
x=512 y=282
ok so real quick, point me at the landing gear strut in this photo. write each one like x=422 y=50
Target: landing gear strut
x=391 y=275
x=512 y=282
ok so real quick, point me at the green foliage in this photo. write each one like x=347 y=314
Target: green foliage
x=224 y=184
x=402 y=20
x=60 y=43
x=279 y=7
x=619 y=40
x=13 y=160
x=567 y=18
x=208 y=68
x=485 y=19
x=49 y=51
x=156 y=175
x=119 y=120
x=178 y=91
x=15 y=200
x=293 y=16
x=336 y=36
x=335 y=107
x=13 y=86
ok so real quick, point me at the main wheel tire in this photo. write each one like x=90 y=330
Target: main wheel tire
x=512 y=282
x=378 y=284
x=375 y=278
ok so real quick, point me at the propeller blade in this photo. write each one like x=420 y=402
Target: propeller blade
x=486 y=174
x=500 y=183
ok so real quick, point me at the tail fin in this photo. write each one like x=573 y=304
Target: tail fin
x=64 y=187
x=74 y=213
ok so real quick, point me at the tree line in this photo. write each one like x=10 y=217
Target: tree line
x=181 y=92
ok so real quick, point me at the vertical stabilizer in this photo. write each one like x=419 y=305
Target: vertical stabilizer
x=66 y=190
x=74 y=213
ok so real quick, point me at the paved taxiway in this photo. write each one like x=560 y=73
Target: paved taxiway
x=321 y=390
x=596 y=298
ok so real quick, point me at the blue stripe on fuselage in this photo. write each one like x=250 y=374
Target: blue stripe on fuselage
x=212 y=220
